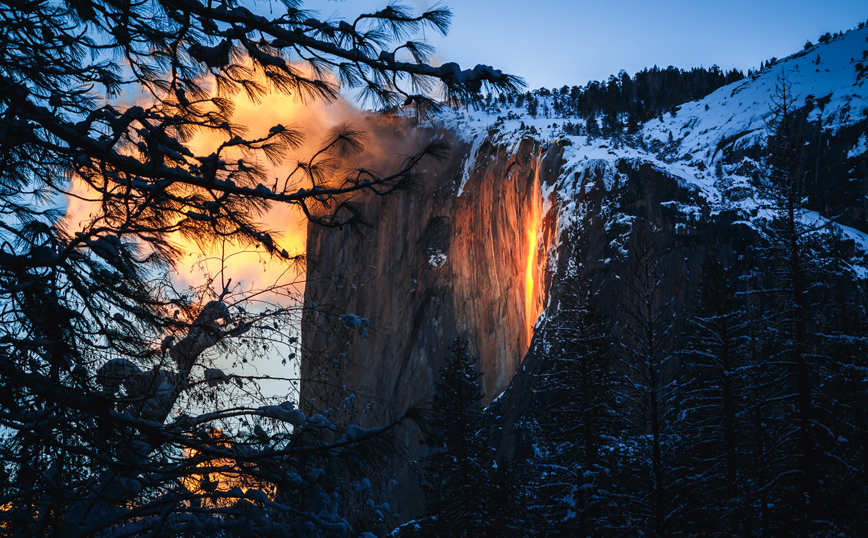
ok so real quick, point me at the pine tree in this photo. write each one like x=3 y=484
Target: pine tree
x=646 y=358
x=810 y=337
x=457 y=472
x=592 y=127
x=507 y=502
x=579 y=417
x=107 y=384
x=533 y=106
x=841 y=390
x=712 y=421
x=789 y=252
x=765 y=377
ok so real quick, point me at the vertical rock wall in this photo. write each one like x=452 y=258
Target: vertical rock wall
x=432 y=266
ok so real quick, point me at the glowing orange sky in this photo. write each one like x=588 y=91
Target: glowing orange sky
x=222 y=482
x=252 y=268
x=314 y=120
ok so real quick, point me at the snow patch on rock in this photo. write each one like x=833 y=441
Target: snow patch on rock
x=437 y=258
x=860 y=147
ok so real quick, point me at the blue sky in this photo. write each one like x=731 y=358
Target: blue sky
x=552 y=43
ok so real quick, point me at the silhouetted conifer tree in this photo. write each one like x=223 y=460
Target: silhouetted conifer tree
x=572 y=471
x=533 y=106
x=457 y=472
x=646 y=358
x=713 y=406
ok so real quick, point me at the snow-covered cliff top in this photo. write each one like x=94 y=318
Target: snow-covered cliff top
x=829 y=78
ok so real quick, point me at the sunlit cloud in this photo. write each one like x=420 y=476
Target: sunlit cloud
x=252 y=267
x=386 y=141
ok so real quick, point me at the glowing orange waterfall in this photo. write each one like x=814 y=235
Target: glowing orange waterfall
x=532 y=302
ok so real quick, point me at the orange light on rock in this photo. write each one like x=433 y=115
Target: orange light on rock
x=532 y=287
x=219 y=482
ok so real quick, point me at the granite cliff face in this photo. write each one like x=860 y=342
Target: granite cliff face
x=482 y=250
x=433 y=266
x=383 y=306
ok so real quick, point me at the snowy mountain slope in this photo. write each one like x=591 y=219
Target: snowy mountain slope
x=824 y=74
x=714 y=146
x=830 y=78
